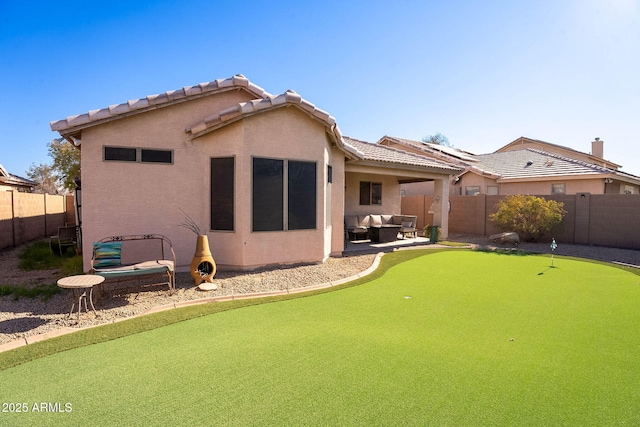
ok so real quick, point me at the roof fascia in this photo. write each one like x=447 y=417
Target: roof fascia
x=537 y=178
x=370 y=165
x=625 y=178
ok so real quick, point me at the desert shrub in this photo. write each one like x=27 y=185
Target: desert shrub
x=529 y=216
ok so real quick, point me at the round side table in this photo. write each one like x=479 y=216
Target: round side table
x=79 y=285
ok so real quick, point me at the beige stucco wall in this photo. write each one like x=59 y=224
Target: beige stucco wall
x=138 y=198
x=390 y=194
x=593 y=186
x=285 y=133
x=335 y=196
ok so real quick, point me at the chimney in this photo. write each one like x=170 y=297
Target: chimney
x=597 y=148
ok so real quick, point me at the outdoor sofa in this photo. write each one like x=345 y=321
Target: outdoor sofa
x=372 y=226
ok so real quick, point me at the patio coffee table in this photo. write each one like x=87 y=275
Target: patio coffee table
x=384 y=233
x=79 y=285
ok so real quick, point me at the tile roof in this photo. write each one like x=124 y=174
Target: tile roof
x=531 y=163
x=263 y=101
x=561 y=148
x=451 y=155
x=384 y=154
x=11 y=179
x=256 y=106
x=433 y=149
x=156 y=101
x=229 y=115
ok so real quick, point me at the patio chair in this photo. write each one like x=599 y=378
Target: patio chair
x=408 y=226
x=357 y=227
x=67 y=237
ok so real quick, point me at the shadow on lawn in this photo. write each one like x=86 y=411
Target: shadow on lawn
x=504 y=251
x=544 y=271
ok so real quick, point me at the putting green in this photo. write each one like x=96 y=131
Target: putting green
x=449 y=338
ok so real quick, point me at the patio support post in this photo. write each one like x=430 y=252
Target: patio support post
x=441 y=206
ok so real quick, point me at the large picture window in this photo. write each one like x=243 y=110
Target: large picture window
x=222 y=193
x=370 y=193
x=283 y=195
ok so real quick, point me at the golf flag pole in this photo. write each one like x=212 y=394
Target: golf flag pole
x=554 y=245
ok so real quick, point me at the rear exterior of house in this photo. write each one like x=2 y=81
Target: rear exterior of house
x=242 y=183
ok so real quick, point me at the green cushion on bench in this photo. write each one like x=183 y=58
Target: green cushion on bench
x=128 y=270
x=106 y=254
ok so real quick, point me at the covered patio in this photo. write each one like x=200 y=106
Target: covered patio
x=367 y=246
x=373 y=188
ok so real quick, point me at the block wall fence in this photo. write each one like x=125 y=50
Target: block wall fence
x=25 y=217
x=611 y=220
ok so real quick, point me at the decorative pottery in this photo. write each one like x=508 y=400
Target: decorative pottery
x=203 y=267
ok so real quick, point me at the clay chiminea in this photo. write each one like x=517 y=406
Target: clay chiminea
x=203 y=267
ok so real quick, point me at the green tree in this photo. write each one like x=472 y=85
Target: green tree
x=530 y=216
x=60 y=175
x=43 y=175
x=439 y=139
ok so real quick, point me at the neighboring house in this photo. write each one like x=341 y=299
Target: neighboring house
x=10 y=182
x=267 y=178
x=524 y=166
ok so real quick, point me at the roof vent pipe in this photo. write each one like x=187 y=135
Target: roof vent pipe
x=597 y=148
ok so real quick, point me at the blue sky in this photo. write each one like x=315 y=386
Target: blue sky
x=483 y=73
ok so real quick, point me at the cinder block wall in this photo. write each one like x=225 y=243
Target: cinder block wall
x=6 y=219
x=614 y=220
x=26 y=216
x=603 y=219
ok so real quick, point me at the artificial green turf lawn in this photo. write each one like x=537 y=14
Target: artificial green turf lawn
x=449 y=338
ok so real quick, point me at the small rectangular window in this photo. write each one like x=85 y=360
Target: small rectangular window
x=557 y=189
x=329 y=174
x=370 y=193
x=156 y=156
x=472 y=190
x=120 y=154
x=492 y=190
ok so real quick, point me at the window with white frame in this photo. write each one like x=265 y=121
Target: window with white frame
x=472 y=190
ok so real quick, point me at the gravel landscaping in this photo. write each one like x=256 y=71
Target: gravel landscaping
x=26 y=317
x=32 y=316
